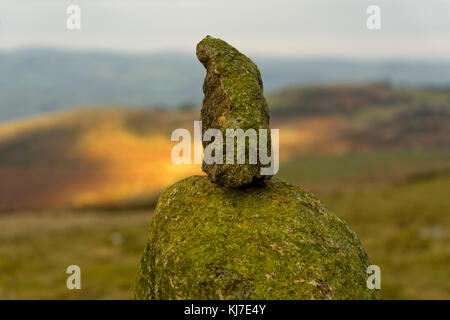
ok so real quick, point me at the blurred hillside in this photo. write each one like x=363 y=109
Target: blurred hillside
x=88 y=157
x=374 y=116
x=121 y=157
x=46 y=80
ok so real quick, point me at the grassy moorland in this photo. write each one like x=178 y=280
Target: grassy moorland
x=398 y=204
x=405 y=230
x=37 y=247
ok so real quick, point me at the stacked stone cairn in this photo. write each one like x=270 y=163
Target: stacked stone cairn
x=238 y=234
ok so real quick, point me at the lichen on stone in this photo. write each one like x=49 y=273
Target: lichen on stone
x=233 y=99
x=277 y=242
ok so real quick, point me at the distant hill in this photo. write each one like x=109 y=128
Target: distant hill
x=375 y=115
x=34 y=81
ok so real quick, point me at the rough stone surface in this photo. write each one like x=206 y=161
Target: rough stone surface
x=277 y=242
x=233 y=100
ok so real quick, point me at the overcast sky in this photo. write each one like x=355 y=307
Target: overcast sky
x=318 y=28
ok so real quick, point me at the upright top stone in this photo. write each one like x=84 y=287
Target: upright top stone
x=233 y=100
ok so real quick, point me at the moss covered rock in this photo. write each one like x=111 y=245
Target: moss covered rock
x=233 y=100
x=277 y=242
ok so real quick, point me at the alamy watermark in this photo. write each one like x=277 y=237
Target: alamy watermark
x=73 y=22
x=214 y=152
x=374 y=19
x=374 y=281
x=74 y=280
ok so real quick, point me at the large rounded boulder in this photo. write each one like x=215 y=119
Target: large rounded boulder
x=276 y=242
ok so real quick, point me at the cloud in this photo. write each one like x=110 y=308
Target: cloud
x=410 y=28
